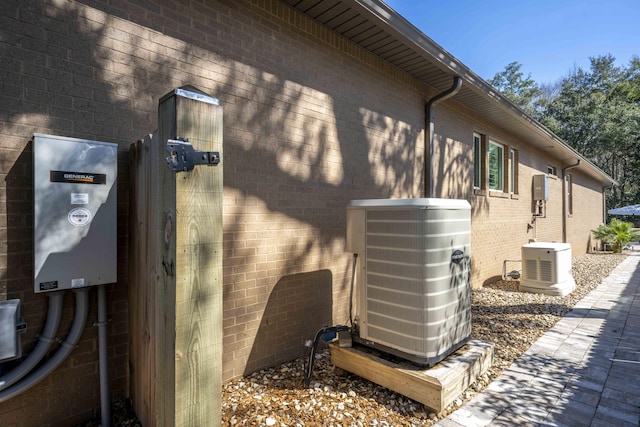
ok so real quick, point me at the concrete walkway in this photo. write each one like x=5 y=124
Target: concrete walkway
x=585 y=371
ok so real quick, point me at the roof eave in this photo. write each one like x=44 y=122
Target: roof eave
x=476 y=94
x=409 y=34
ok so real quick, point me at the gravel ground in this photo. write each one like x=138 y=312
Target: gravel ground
x=509 y=319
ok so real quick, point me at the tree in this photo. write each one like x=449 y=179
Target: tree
x=520 y=90
x=597 y=112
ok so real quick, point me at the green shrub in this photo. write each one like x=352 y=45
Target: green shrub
x=617 y=234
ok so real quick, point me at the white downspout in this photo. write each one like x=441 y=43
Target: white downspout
x=429 y=186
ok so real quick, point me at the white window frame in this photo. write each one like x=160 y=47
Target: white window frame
x=513 y=171
x=499 y=185
x=477 y=160
x=569 y=184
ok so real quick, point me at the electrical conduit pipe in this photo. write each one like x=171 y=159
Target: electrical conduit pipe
x=70 y=342
x=45 y=339
x=103 y=321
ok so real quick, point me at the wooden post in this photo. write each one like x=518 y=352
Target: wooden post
x=141 y=283
x=178 y=312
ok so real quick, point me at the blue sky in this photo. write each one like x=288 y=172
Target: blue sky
x=549 y=38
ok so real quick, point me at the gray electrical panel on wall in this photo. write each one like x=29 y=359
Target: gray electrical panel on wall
x=541 y=187
x=75 y=219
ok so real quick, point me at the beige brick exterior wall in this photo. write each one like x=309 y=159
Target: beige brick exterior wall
x=311 y=122
x=588 y=213
x=500 y=220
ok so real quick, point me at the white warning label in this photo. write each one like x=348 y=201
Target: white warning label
x=79 y=217
x=79 y=198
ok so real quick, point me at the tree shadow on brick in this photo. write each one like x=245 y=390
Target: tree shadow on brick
x=298 y=306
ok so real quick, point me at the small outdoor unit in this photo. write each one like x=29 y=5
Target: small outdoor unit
x=541 y=187
x=413 y=281
x=546 y=268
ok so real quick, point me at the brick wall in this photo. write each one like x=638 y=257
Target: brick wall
x=311 y=122
x=304 y=134
x=587 y=214
x=52 y=82
x=502 y=223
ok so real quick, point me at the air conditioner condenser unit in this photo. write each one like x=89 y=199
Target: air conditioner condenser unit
x=413 y=281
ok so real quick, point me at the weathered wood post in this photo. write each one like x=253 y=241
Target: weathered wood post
x=176 y=272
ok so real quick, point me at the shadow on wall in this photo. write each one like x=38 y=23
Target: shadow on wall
x=298 y=306
x=274 y=147
x=60 y=80
x=19 y=246
x=455 y=172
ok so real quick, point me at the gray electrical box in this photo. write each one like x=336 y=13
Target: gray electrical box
x=10 y=345
x=541 y=187
x=75 y=217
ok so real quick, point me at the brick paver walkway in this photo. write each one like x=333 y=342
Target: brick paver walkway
x=585 y=371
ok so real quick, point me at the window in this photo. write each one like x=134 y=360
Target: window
x=477 y=160
x=569 y=183
x=551 y=170
x=513 y=171
x=496 y=166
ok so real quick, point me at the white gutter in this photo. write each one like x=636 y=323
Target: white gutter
x=396 y=25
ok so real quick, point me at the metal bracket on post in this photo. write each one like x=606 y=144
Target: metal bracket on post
x=183 y=157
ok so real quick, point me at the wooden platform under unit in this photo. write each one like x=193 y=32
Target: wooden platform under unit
x=435 y=387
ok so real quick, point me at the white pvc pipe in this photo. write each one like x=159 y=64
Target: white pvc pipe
x=45 y=339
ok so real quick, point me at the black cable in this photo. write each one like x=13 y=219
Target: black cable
x=319 y=334
x=353 y=278
x=328 y=329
